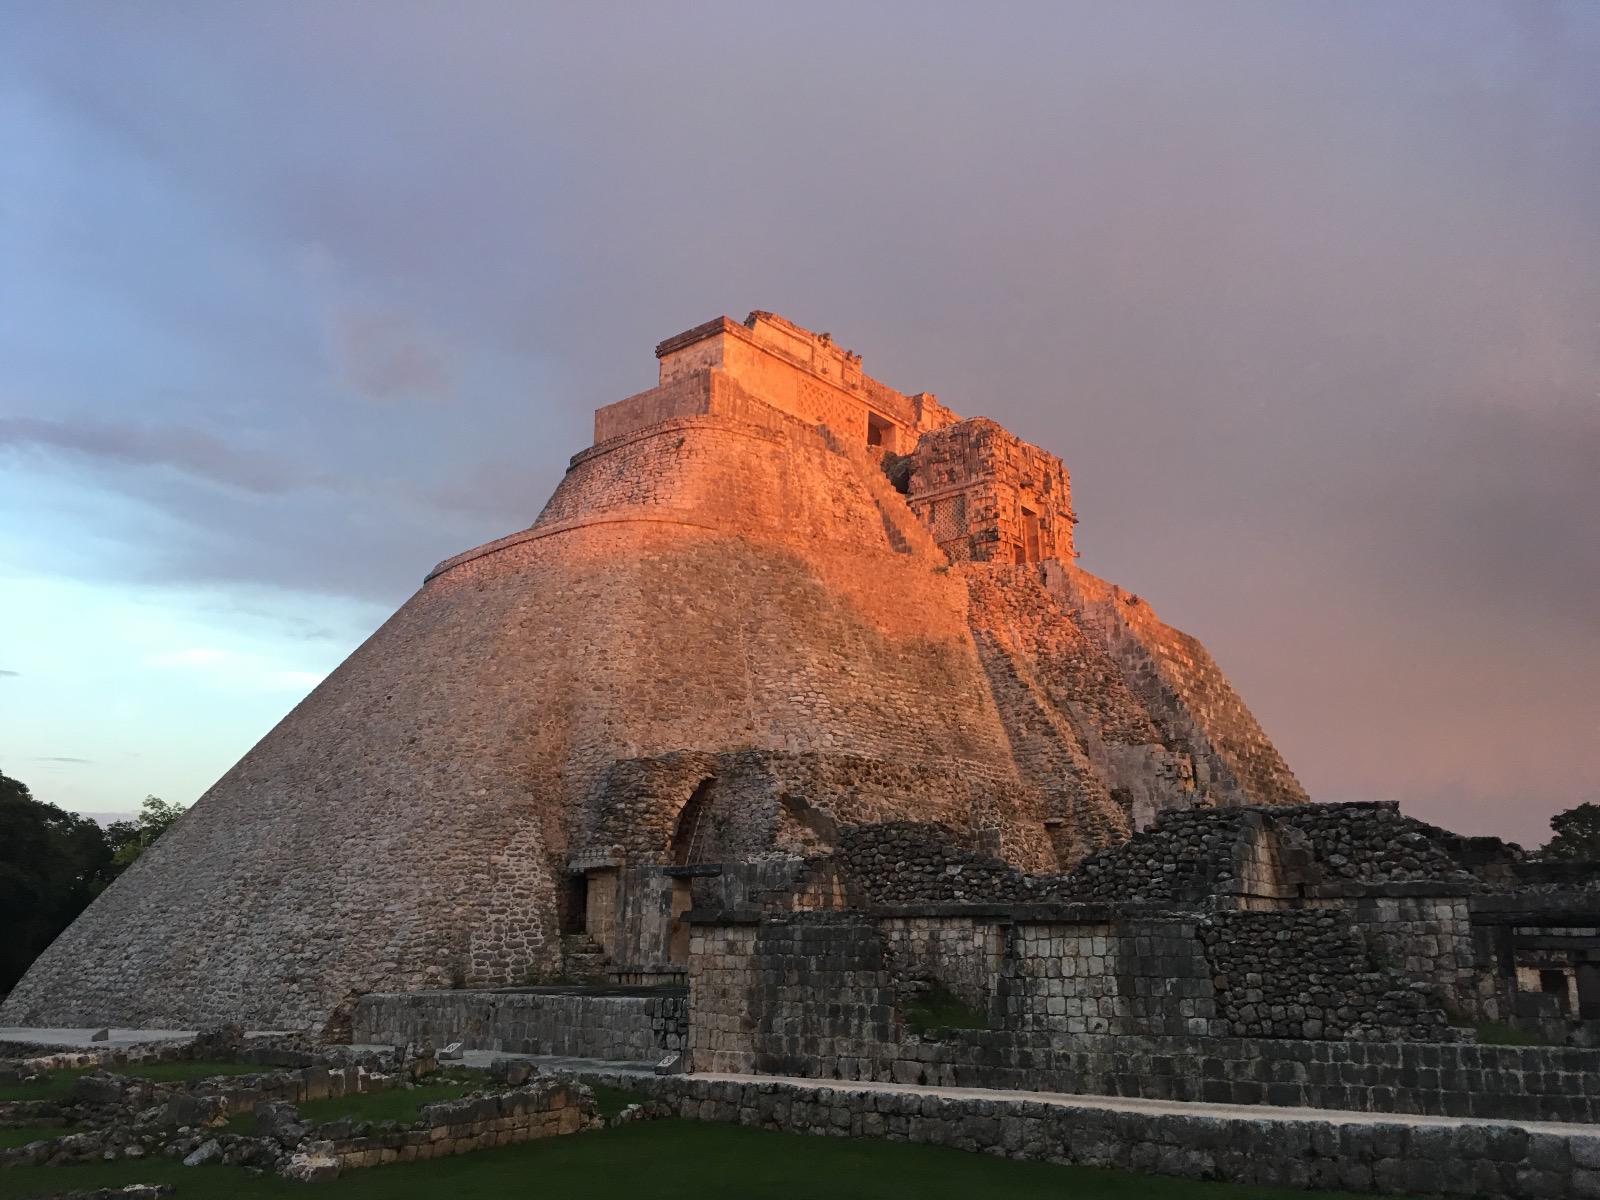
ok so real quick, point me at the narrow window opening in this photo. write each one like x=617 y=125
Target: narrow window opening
x=1030 y=536
x=880 y=432
x=575 y=905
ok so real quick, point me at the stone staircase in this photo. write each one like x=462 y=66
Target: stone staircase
x=905 y=533
x=584 y=960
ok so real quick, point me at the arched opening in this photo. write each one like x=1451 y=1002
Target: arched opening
x=691 y=836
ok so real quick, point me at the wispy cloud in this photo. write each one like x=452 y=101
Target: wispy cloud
x=9 y=674
x=56 y=758
x=192 y=452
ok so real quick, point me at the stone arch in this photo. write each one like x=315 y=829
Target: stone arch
x=691 y=833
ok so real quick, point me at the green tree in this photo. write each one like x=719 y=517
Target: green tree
x=52 y=863
x=1577 y=833
x=129 y=839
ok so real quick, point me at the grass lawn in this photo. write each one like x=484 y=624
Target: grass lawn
x=669 y=1160
x=401 y=1104
x=395 y=1104
x=59 y=1085
x=612 y=1100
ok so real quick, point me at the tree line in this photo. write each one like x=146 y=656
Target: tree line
x=53 y=862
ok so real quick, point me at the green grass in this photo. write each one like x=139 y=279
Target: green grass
x=1495 y=1033
x=59 y=1085
x=395 y=1104
x=12 y=1138
x=174 y=1072
x=670 y=1160
x=612 y=1100
x=940 y=1008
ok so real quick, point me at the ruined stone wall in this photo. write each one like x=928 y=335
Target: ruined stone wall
x=543 y=1108
x=1308 y=973
x=1375 y=842
x=897 y=863
x=754 y=803
x=1280 y=1151
x=1197 y=857
x=822 y=999
x=1428 y=938
x=963 y=955
x=794 y=995
x=620 y=1028
x=1123 y=976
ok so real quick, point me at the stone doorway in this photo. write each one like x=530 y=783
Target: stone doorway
x=691 y=836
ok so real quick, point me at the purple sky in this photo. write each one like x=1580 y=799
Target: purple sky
x=297 y=298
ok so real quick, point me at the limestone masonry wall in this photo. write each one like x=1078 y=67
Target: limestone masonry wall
x=988 y=496
x=1307 y=973
x=726 y=636
x=544 y=1108
x=1099 y=1004
x=621 y=1028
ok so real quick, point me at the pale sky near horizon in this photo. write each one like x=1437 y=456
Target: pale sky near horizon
x=297 y=299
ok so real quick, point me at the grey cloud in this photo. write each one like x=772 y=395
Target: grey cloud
x=386 y=357
x=1501 y=505
x=9 y=674
x=1304 y=295
x=191 y=452
x=60 y=759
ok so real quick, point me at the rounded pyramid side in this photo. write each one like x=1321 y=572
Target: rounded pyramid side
x=408 y=824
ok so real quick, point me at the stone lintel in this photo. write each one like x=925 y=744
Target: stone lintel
x=725 y=916
x=693 y=871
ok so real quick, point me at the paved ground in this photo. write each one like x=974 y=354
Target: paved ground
x=1251 y=1112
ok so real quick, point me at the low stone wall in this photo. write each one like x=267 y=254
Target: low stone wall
x=1533 y=1083
x=546 y=1108
x=1265 y=1149
x=126 y=1113
x=620 y=1028
x=1118 y=1012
